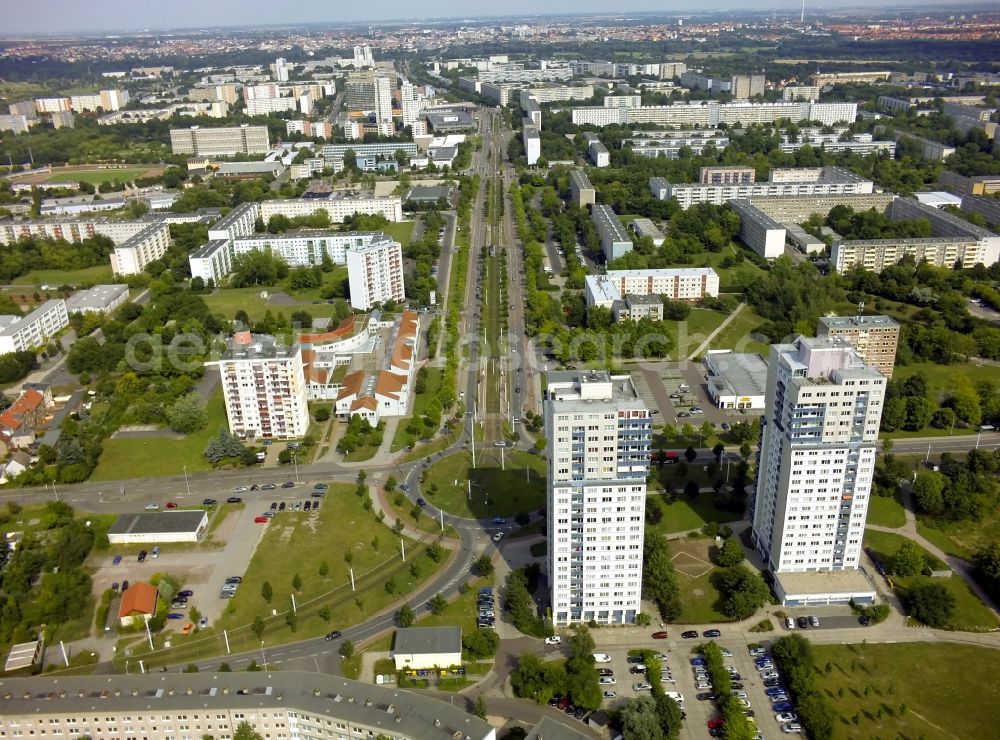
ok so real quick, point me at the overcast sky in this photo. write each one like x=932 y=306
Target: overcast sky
x=62 y=16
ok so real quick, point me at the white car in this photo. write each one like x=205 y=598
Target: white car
x=703 y=685
x=602 y=658
x=498 y=536
x=726 y=653
x=765 y=675
x=642 y=686
x=554 y=640
x=783 y=717
x=792 y=728
x=756 y=652
x=152 y=507
x=607 y=681
x=610 y=695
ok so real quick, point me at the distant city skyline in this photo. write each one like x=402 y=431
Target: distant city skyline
x=71 y=16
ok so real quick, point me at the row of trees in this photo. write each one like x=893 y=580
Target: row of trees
x=576 y=678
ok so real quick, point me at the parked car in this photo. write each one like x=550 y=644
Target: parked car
x=315 y=505
x=498 y=536
x=698 y=661
x=320 y=487
x=307 y=506
x=175 y=615
x=814 y=621
x=602 y=658
x=254 y=487
x=282 y=506
x=803 y=622
x=783 y=717
x=792 y=728
x=208 y=502
x=421 y=503
x=171 y=505
x=234 y=579
x=203 y=623
x=757 y=652
x=690 y=634
x=152 y=507
x=268 y=487
x=124 y=586
x=610 y=695
x=782 y=706
x=642 y=686
x=115 y=586
x=606 y=681
x=261 y=520
x=117 y=560
x=179 y=604
x=240 y=489
x=155 y=551
x=333 y=635
x=288 y=484
x=660 y=635
x=234 y=500
x=142 y=556
x=553 y=640
x=712 y=633
x=769 y=674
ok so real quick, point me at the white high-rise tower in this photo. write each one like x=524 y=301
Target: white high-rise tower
x=599 y=434
x=817 y=459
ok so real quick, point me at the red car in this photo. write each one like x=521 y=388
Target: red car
x=260 y=520
x=171 y=505
x=660 y=635
x=714 y=723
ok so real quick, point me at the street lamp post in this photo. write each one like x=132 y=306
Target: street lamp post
x=186 y=483
x=263 y=655
x=295 y=464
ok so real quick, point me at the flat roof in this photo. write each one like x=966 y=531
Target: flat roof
x=605 y=216
x=823 y=582
x=156 y=522
x=13 y=323
x=21 y=655
x=98 y=297
x=738 y=373
x=552 y=729
x=428 y=640
x=839 y=322
x=427 y=192
x=389 y=711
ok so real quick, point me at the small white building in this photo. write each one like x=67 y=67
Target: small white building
x=427 y=647
x=99 y=299
x=736 y=380
x=159 y=527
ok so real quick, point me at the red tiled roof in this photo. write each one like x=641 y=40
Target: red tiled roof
x=389 y=384
x=351 y=384
x=139 y=599
x=344 y=329
x=27 y=403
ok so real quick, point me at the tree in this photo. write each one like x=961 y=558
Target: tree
x=297 y=582
x=640 y=720
x=730 y=554
x=258 y=626
x=322 y=413
x=266 y=592
x=537 y=679
x=484 y=565
x=390 y=484
x=692 y=489
x=245 y=731
x=659 y=578
x=437 y=604
x=324 y=567
x=987 y=564
x=928 y=490
x=480 y=708
x=930 y=603
x=909 y=560
x=405 y=616
x=346 y=649
x=743 y=591
x=481 y=643
x=690 y=454
x=187 y=414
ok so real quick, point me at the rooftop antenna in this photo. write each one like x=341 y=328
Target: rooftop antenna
x=861 y=308
x=802 y=17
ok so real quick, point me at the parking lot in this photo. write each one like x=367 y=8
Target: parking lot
x=673 y=390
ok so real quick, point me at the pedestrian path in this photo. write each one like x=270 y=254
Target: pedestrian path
x=705 y=345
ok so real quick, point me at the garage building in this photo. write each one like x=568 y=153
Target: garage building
x=736 y=380
x=159 y=527
x=427 y=647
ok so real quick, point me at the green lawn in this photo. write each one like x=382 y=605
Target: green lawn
x=461 y=612
x=736 y=335
x=424 y=522
x=910 y=690
x=945 y=537
x=941 y=378
x=403 y=438
x=494 y=492
x=685 y=514
x=96 y=177
x=401 y=231
x=886 y=511
x=695 y=575
x=699 y=324
x=84 y=276
x=969 y=615
x=158 y=456
x=228 y=301
x=300 y=543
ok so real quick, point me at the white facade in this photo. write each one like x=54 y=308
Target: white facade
x=264 y=106
x=532 y=145
x=599 y=435
x=817 y=456
x=615 y=241
x=712 y=113
x=19 y=333
x=158 y=528
x=375 y=273
x=244 y=139
x=131 y=256
x=678 y=284
x=264 y=388
x=828 y=181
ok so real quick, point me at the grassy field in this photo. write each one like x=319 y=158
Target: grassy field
x=945 y=538
x=403 y=438
x=96 y=177
x=970 y=614
x=424 y=522
x=736 y=335
x=687 y=335
x=886 y=512
x=685 y=514
x=909 y=690
x=84 y=276
x=300 y=543
x=494 y=492
x=695 y=572
x=401 y=231
x=941 y=378
x=461 y=612
x=132 y=457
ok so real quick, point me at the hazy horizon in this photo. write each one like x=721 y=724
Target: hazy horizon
x=72 y=16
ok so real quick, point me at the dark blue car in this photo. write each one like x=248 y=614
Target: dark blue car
x=782 y=706
x=774 y=691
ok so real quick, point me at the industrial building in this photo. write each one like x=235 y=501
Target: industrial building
x=599 y=433
x=99 y=299
x=158 y=527
x=418 y=648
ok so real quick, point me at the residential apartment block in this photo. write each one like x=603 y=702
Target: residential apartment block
x=877 y=254
x=874 y=338
x=689 y=284
x=817 y=458
x=20 y=333
x=263 y=386
x=243 y=139
x=16 y=124
x=132 y=255
x=599 y=433
x=532 y=141
x=742 y=87
x=800 y=92
x=759 y=231
x=375 y=273
x=615 y=241
x=281 y=705
x=727 y=175
x=582 y=192
x=712 y=113
x=807 y=181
